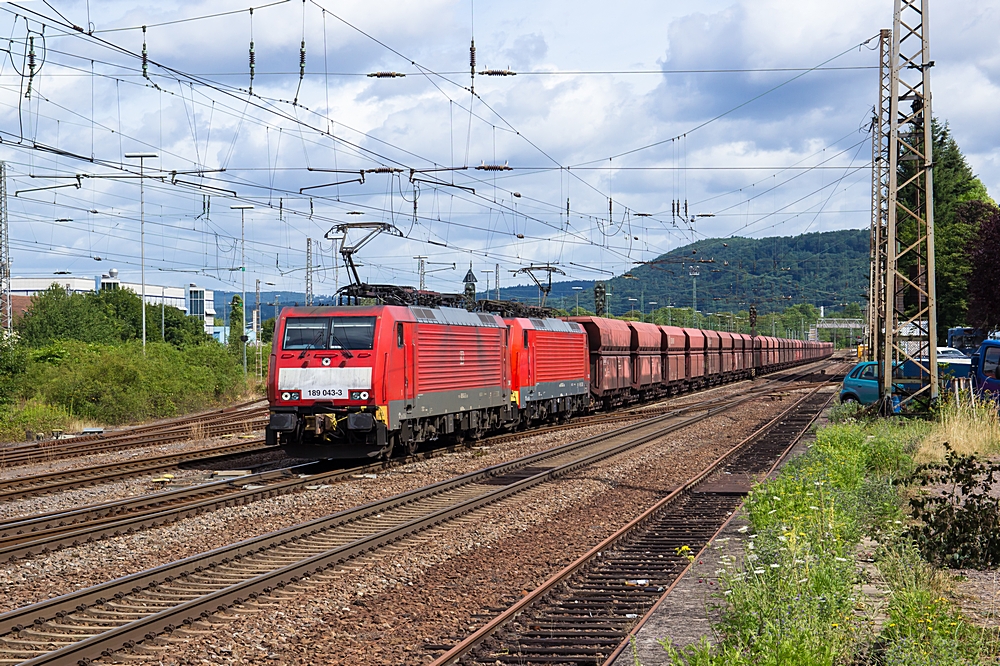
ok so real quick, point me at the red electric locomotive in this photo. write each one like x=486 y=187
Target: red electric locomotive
x=549 y=368
x=355 y=382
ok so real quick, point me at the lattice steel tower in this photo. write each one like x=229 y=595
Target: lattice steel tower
x=875 y=339
x=910 y=309
x=6 y=316
x=309 y=272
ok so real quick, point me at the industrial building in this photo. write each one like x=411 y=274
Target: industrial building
x=193 y=300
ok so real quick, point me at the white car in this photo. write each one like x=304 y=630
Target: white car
x=952 y=355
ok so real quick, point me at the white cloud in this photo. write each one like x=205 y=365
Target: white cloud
x=423 y=119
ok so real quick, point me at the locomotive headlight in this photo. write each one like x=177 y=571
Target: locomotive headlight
x=295 y=395
x=286 y=396
x=359 y=395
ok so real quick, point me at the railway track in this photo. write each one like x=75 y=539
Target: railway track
x=107 y=617
x=40 y=484
x=213 y=424
x=586 y=613
x=33 y=535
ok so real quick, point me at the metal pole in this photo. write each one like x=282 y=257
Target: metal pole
x=910 y=335
x=243 y=287
x=142 y=248
x=309 y=272
x=142 y=231
x=243 y=283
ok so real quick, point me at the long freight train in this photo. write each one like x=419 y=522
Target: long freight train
x=370 y=381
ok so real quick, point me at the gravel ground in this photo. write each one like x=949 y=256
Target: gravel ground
x=388 y=607
x=139 y=485
x=27 y=581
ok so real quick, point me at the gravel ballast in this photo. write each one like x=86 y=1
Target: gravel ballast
x=395 y=607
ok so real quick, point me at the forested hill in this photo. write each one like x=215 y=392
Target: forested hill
x=823 y=268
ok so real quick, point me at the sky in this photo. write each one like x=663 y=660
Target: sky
x=627 y=129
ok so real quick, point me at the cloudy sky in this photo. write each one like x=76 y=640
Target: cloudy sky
x=753 y=114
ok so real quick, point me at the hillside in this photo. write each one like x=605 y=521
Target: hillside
x=824 y=268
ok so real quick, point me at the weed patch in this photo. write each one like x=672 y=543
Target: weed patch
x=797 y=597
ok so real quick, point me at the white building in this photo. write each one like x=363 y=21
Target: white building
x=193 y=300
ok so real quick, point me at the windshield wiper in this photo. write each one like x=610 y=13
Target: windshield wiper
x=336 y=340
x=312 y=345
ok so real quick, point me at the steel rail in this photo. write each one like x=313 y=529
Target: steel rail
x=466 y=646
x=364 y=528
x=39 y=484
x=72 y=448
x=42 y=533
x=129 y=431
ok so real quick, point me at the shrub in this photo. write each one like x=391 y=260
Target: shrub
x=117 y=383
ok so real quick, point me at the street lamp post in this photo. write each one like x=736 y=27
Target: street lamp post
x=243 y=208
x=632 y=309
x=652 y=309
x=142 y=157
x=577 y=289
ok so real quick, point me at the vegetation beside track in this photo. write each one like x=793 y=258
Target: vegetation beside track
x=805 y=593
x=78 y=359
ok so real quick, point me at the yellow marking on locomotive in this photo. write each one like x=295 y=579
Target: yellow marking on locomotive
x=515 y=397
x=382 y=413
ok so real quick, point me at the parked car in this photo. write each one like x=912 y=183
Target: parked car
x=861 y=384
x=951 y=353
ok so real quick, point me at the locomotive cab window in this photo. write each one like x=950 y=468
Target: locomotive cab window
x=352 y=333
x=306 y=333
x=357 y=333
x=526 y=339
x=399 y=335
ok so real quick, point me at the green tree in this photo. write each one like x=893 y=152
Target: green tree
x=55 y=314
x=112 y=316
x=267 y=331
x=954 y=185
x=984 y=253
x=235 y=326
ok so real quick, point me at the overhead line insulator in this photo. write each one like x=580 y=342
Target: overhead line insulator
x=386 y=75
x=497 y=72
x=494 y=167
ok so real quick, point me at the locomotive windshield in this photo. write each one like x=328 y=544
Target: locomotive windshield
x=356 y=333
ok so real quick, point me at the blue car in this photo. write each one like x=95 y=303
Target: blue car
x=861 y=384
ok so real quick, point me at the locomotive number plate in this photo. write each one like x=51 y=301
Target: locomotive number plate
x=315 y=393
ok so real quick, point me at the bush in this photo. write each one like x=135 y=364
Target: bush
x=959 y=520
x=116 y=384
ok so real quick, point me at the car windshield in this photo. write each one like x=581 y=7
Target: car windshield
x=357 y=333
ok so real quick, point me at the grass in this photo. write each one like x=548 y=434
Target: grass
x=970 y=428
x=38 y=417
x=796 y=598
